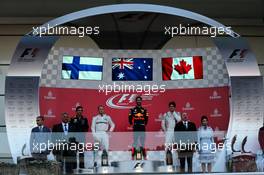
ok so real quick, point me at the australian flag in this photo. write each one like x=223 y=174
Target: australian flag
x=126 y=69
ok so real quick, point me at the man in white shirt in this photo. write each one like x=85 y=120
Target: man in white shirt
x=170 y=119
x=100 y=128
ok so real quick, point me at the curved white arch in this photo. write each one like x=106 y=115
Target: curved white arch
x=132 y=8
x=26 y=76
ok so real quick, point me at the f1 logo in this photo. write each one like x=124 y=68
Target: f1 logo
x=139 y=165
x=126 y=97
x=240 y=52
x=29 y=52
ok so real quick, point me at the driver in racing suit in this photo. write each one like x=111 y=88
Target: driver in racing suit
x=100 y=128
x=138 y=118
x=168 y=123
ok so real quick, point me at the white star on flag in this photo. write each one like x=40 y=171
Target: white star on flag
x=121 y=75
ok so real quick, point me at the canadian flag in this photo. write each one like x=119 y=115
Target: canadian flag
x=182 y=68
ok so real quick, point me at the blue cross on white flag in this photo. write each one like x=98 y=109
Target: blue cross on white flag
x=82 y=68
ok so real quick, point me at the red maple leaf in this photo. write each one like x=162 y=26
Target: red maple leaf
x=183 y=68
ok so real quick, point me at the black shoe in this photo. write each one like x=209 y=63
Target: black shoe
x=82 y=165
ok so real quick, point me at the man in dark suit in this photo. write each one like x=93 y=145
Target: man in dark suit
x=185 y=136
x=39 y=139
x=261 y=138
x=81 y=126
x=62 y=136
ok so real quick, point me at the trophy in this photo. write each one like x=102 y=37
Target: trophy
x=243 y=145
x=244 y=161
x=233 y=143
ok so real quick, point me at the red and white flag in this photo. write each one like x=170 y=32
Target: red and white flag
x=182 y=68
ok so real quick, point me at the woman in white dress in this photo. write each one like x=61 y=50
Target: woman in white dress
x=206 y=145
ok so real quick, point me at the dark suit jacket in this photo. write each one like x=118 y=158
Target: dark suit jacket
x=58 y=128
x=38 y=137
x=81 y=128
x=80 y=124
x=183 y=135
x=58 y=132
x=58 y=135
x=44 y=129
x=181 y=127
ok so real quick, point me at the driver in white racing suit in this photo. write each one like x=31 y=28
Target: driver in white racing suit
x=168 y=123
x=100 y=128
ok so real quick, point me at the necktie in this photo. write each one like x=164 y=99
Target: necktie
x=65 y=127
x=186 y=125
x=40 y=129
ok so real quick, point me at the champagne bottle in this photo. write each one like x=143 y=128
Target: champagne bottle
x=138 y=154
x=169 y=160
x=104 y=158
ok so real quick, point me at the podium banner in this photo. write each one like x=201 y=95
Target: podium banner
x=212 y=102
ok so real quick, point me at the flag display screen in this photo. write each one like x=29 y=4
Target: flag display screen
x=127 y=69
x=82 y=68
x=126 y=74
x=182 y=68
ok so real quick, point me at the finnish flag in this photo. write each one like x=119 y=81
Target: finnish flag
x=82 y=68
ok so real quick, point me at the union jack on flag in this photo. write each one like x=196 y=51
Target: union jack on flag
x=122 y=63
